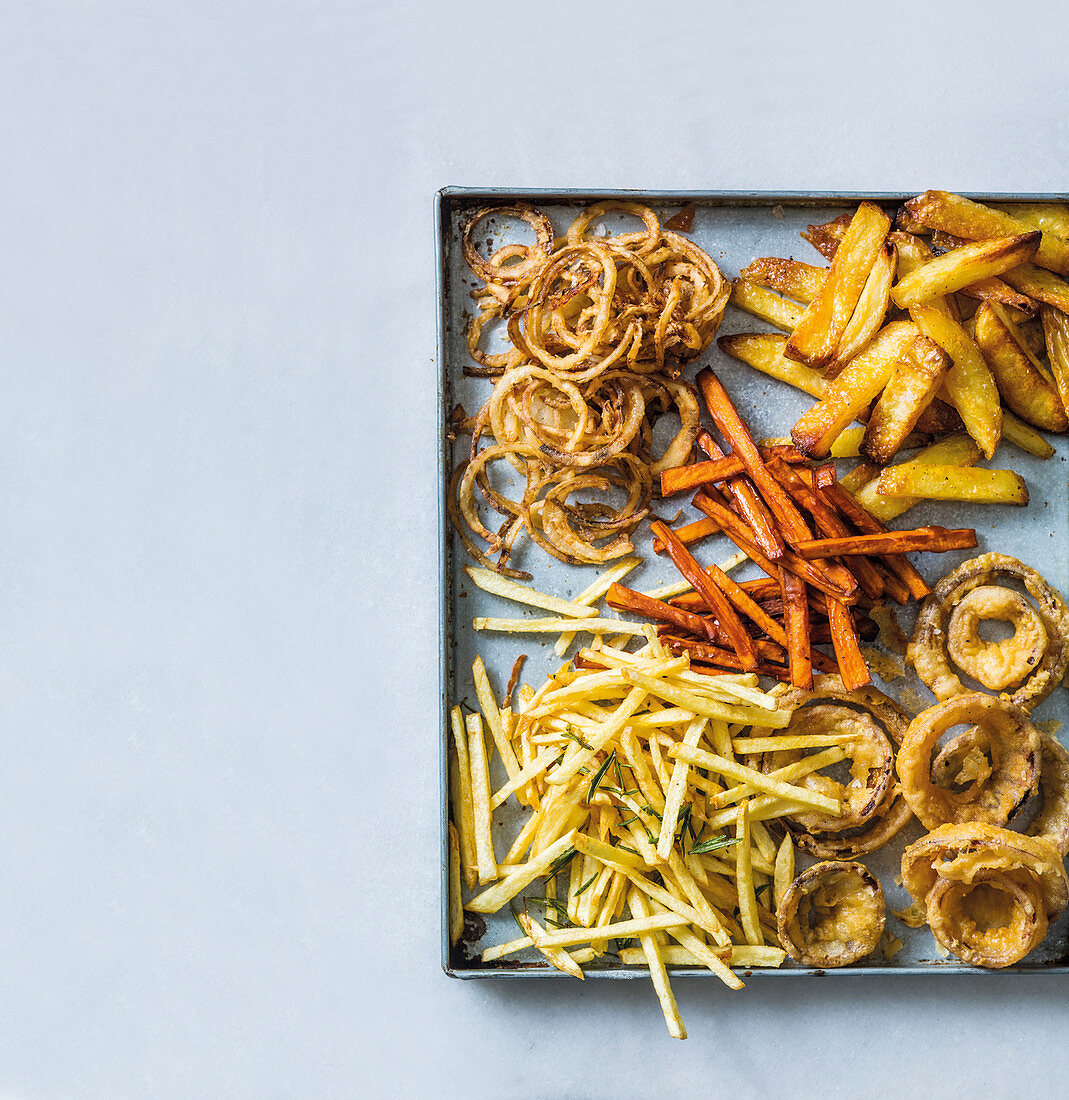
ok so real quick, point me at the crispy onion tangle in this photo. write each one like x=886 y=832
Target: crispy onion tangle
x=598 y=330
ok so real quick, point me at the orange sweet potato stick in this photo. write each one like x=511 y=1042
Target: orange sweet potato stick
x=796 y=621
x=743 y=539
x=852 y=667
x=792 y=526
x=864 y=521
x=691 y=533
x=621 y=598
x=934 y=539
x=750 y=506
x=715 y=599
x=827 y=521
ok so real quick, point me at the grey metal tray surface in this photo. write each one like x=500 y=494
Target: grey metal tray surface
x=733 y=227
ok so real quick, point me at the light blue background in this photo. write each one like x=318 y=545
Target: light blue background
x=218 y=733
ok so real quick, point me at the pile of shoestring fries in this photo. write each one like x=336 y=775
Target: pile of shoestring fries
x=598 y=329
x=955 y=322
x=646 y=836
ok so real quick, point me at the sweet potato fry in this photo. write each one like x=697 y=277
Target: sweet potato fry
x=838 y=495
x=853 y=390
x=1023 y=386
x=969 y=381
x=743 y=539
x=852 y=667
x=964 y=483
x=976 y=222
x=914 y=381
x=818 y=334
x=715 y=600
x=796 y=623
x=963 y=266
x=933 y=539
x=764 y=352
x=621 y=598
x=748 y=503
x=691 y=533
x=800 y=281
x=791 y=524
x=679 y=479
x=826 y=520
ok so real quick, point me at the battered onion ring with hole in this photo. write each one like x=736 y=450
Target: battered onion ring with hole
x=994 y=919
x=927 y=651
x=988 y=893
x=1012 y=741
x=495 y=269
x=995 y=664
x=871 y=760
x=956 y=850
x=892 y=814
x=831 y=915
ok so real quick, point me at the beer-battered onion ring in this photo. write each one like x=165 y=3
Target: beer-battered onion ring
x=993 y=919
x=996 y=663
x=962 y=761
x=988 y=893
x=1002 y=729
x=871 y=759
x=832 y=914
x=928 y=650
x=957 y=850
x=891 y=813
x=1052 y=821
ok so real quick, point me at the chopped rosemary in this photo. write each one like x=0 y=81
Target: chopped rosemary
x=599 y=774
x=561 y=862
x=586 y=885
x=572 y=736
x=714 y=843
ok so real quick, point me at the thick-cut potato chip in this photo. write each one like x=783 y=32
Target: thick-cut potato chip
x=976 y=222
x=765 y=304
x=796 y=279
x=852 y=391
x=1039 y=284
x=969 y=382
x=1024 y=436
x=818 y=335
x=1051 y=217
x=914 y=382
x=965 y=483
x=1056 y=333
x=764 y=352
x=1024 y=388
x=954 y=450
x=962 y=267
x=870 y=311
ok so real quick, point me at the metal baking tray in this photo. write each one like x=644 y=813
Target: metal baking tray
x=733 y=227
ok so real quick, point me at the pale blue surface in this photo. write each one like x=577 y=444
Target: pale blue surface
x=218 y=776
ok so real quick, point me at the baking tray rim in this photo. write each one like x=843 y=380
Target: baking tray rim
x=448 y=198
